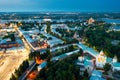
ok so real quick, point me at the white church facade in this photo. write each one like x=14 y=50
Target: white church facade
x=101 y=60
x=98 y=60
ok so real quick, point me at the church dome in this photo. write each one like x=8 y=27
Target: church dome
x=101 y=53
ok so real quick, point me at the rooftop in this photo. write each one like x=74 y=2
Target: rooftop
x=96 y=75
x=64 y=55
x=96 y=78
x=43 y=65
x=88 y=49
x=116 y=64
x=86 y=63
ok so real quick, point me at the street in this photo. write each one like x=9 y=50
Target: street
x=24 y=75
x=11 y=63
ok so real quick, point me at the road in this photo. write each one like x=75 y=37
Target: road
x=11 y=63
x=24 y=75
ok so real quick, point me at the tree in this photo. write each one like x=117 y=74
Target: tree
x=13 y=77
x=48 y=23
x=26 y=64
x=12 y=37
x=61 y=70
x=48 y=54
x=22 y=68
x=86 y=73
x=107 y=67
x=31 y=55
x=17 y=73
x=71 y=48
x=80 y=51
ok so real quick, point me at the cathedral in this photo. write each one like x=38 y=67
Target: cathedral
x=101 y=59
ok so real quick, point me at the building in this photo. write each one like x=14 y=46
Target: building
x=115 y=64
x=76 y=35
x=38 y=60
x=96 y=75
x=42 y=65
x=115 y=28
x=63 y=26
x=101 y=60
x=2 y=50
x=85 y=64
x=47 y=20
x=90 y=21
x=21 y=49
x=54 y=30
x=9 y=45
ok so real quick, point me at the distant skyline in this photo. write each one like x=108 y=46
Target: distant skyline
x=60 y=5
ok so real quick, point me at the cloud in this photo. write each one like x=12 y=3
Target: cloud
x=11 y=5
x=88 y=5
x=10 y=2
x=15 y=2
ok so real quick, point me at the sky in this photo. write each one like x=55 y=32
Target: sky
x=60 y=5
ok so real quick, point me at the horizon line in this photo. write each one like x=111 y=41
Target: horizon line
x=59 y=11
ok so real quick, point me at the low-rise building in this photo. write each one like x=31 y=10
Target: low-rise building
x=96 y=75
x=90 y=21
x=42 y=65
x=9 y=45
x=85 y=64
x=100 y=59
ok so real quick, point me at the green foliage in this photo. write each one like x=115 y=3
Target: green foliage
x=45 y=55
x=48 y=23
x=29 y=25
x=67 y=40
x=13 y=77
x=11 y=36
x=61 y=70
x=65 y=33
x=107 y=67
x=86 y=73
x=98 y=37
x=66 y=36
x=18 y=72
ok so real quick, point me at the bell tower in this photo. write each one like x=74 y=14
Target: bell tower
x=115 y=59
